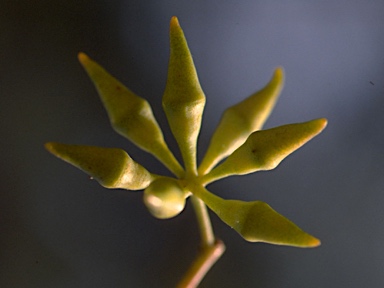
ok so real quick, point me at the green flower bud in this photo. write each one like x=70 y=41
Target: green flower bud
x=165 y=198
x=240 y=120
x=130 y=115
x=256 y=221
x=183 y=99
x=111 y=167
x=265 y=149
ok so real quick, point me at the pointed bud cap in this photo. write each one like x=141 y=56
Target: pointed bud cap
x=130 y=115
x=265 y=149
x=183 y=99
x=111 y=167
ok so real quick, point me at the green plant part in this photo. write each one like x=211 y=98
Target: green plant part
x=165 y=198
x=111 y=167
x=238 y=138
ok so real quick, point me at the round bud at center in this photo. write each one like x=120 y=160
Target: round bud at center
x=165 y=198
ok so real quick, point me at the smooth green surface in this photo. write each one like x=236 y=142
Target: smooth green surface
x=130 y=115
x=165 y=198
x=256 y=221
x=111 y=167
x=265 y=149
x=240 y=120
x=183 y=99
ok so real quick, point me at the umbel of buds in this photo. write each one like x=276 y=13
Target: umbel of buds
x=238 y=141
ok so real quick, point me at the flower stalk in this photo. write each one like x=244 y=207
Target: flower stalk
x=238 y=140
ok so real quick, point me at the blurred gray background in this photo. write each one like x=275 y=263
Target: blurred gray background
x=59 y=229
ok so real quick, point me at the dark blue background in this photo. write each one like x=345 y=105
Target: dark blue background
x=59 y=229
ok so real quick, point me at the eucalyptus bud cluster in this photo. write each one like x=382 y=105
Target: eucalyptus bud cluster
x=239 y=144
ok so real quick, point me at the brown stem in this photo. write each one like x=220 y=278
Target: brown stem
x=204 y=261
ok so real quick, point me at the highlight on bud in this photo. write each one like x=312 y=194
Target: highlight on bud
x=165 y=198
x=240 y=120
x=265 y=149
x=111 y=167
